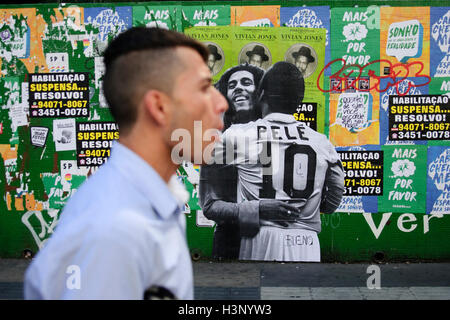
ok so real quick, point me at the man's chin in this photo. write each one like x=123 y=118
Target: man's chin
x=242 y=106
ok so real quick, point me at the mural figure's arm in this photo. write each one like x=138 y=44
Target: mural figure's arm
x=218 y=201
x=333 y=188
x=217 y=197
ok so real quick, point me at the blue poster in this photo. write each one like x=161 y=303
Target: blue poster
x=438 y=180
x=309 y=17
x=105 y=24
x=408 y=86
x=440 y=42
x=361 y=163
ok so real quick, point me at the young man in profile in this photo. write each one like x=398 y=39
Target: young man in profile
x=122 y=235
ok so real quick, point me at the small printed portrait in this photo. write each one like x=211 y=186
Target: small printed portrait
x=350 y=85
x=304 y=57
x=256 y=54
x=364 y=84
x=335 y=85
x=216 y=58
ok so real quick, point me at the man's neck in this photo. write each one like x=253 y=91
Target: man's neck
x=155 y=153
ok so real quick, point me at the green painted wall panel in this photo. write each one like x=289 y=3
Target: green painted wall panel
x=35 y=185
x=349 y=237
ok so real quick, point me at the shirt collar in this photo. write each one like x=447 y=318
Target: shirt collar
x=145 y=179
x=280 y=117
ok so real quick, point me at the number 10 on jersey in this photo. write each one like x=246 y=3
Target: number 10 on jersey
x=289 y=168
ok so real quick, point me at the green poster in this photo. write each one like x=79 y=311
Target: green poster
x=255 y=45
x=355 y=38
x=439 y=85
x=218 y=42
x=165 y=17
x=65 y=39
x=59 y=189
x=190 y=175
x=11 y=111
x=210 y=15
x=405 y=179
x=304 y=47
x=193 y=194
x=68 y=46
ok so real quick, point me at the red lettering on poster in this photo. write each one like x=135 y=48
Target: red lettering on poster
x=396 y=74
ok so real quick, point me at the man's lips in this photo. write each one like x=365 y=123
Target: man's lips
x=240 y=98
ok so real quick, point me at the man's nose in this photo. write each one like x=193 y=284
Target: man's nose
x=221 y=103
x=239 y=88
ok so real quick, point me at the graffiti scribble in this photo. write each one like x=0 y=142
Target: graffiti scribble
x=396 y=74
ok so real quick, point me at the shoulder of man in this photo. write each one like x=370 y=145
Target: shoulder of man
x=314 y=136
x=242 y=129
x=321 y=141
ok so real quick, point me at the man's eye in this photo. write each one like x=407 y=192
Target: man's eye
x=247 y=82
x=232 y=85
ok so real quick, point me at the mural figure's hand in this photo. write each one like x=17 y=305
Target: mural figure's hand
x=276 y=210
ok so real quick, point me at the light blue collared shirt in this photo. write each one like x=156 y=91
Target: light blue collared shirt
x=121 y=233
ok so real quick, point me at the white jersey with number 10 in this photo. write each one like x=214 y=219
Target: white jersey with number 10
x=280 y=158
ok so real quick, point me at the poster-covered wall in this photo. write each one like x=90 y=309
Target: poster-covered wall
x=377 y=83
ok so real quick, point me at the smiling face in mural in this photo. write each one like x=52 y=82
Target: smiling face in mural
x=241 y=87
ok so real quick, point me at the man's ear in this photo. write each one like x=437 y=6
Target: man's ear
x=156 y=105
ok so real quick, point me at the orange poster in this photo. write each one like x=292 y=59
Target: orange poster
x=405 y=41
x=354 y=118
x=8 y=153
x=256 y=16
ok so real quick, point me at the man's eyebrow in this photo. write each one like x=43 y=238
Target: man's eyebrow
x=206 y=80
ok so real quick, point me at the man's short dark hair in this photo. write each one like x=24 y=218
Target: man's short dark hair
x=138 y=60
x=282 y=87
